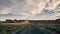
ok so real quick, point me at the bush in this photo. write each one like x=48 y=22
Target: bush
x=52 y=27
x=10 y=29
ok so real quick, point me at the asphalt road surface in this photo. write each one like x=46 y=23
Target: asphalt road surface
x=32 y=30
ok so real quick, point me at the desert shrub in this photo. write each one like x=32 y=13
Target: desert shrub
x=10 y=29
x=51 y=27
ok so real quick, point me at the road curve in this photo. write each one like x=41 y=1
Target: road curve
x=32 y=30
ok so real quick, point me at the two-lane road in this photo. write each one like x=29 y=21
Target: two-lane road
x=32 y=30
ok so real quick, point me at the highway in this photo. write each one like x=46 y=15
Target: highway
x=32 y=30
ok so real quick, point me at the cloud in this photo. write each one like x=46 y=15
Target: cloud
x=5 y=3
x=31 y=8
x=52 y=4
x=5 y=11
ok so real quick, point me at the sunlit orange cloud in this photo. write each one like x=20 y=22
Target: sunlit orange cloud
x=39 y=8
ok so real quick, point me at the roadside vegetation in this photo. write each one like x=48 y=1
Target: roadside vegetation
x=52 y=27
x=9 y=29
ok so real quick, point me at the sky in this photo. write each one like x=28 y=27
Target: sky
x=30 y=9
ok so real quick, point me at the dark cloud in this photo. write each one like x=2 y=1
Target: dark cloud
x=45 y=13
x=58 y=6
x=21 y=0
x=5 y=3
